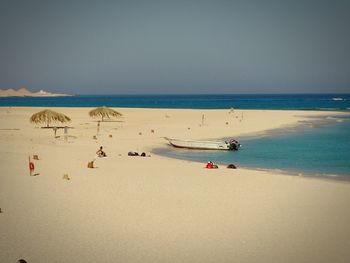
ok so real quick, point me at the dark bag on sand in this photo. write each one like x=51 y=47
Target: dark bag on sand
x=231 y=166
x=143 y=154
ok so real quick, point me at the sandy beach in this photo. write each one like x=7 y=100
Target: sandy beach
x=156 y=209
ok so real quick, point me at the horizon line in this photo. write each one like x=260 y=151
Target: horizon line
x=205 y=94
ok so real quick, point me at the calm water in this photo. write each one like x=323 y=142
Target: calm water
x=295 y=101
x=321 y=147
x=315 y=148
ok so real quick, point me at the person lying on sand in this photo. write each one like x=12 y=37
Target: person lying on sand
x=101 y=153
x=143 y=154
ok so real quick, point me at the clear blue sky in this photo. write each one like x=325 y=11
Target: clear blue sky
x=180 y=46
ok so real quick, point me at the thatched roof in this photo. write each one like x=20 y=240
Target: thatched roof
x=48 y=116
x=104 y=112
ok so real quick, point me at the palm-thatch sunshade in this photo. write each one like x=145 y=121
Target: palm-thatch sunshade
x=48 y=116
x=104 y=112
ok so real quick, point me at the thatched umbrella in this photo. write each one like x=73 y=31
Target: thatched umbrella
x=104 y=112
x=48 y=116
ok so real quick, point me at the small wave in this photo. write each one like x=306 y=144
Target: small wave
x=330 y=118
x=337 y=98
x=330 y=109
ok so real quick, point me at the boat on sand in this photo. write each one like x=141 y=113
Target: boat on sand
x=204 y=145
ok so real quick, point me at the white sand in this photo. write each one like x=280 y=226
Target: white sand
x=133 y=209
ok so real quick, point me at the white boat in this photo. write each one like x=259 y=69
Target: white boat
x=204 y=145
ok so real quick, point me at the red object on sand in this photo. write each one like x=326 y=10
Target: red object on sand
x=31 y=167
x=209 y=165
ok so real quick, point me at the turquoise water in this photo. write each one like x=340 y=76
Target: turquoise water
x=316 y=148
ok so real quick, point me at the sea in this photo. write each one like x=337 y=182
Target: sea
x=318 y=147
x=210 y=101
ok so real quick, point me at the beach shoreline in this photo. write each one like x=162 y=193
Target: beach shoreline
x=313 y=176
x=309 y=122
x=159 y=209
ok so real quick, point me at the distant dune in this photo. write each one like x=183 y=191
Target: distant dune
x=23 y=92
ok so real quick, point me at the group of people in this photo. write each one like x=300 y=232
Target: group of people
x=101 y=153
x=211 y=165
x=143 y=154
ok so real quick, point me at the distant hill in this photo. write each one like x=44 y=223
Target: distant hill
x=23 y=92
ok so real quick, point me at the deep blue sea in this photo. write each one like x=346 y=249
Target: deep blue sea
x=223 y=101
x=319 y=147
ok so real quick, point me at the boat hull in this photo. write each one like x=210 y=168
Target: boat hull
x=204 y=145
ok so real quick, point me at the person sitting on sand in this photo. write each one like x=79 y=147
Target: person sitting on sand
x=211 y=165
x=101 y=153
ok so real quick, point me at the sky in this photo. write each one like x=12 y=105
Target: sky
x=175 y=47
